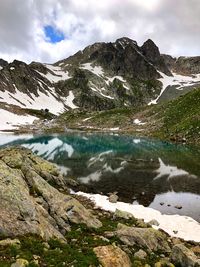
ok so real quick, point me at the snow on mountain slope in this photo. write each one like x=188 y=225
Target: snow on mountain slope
x=55 y=74
x=10 y=121
x=102 y=76
x=180 y=82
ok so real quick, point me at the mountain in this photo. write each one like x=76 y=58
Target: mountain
x=103 y=76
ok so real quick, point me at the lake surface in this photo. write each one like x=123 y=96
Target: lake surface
x=155 y=174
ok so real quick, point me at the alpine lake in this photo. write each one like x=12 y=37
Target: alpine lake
x=143 y=171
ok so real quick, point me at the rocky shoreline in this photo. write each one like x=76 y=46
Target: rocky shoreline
x=42 y=224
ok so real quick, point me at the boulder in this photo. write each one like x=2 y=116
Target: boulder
x=30 y=204
x=112 y=256
x=149 y=238
x=184 y=257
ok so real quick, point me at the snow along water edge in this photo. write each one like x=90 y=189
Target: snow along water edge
x=175 y=225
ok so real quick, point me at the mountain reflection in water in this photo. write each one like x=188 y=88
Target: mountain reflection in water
x=143 y=171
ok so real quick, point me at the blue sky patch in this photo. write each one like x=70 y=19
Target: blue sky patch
x=53 y=35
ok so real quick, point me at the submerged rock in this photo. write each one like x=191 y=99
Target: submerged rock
x=112 y=256
x=149 y=238
x=25 y=178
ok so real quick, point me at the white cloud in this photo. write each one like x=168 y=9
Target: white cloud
x=173 y=25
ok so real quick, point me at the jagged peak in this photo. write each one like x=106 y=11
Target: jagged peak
x=124 y=41
x=150 y=45
x=3 y=62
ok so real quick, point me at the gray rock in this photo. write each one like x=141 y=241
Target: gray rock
x=113 y=198
x=25 y=184
x=184 y=257
x=141 y=254
x=123 y=214
x=149 y=238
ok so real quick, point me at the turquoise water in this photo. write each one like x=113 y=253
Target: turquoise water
x=143 y=171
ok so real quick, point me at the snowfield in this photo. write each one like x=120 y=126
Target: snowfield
x=10 y=121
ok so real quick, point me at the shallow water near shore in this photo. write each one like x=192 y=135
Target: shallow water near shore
x=156 y=174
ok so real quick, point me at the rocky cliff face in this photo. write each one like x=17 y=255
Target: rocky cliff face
x=30 y=202
x=183 y=65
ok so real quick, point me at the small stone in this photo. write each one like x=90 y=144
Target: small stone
x=20 y=263
x=113 y=198
x=178 y=207
x=46 y=245
x=104 y=238
x=109 y=234
x=163 y=264
x=141 y=254
x=123 y=214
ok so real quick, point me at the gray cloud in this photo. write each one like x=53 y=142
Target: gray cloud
x=173 y=25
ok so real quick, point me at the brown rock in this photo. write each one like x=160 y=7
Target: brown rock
x=112 y=256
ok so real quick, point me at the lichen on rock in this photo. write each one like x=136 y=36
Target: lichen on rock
x=24 y=177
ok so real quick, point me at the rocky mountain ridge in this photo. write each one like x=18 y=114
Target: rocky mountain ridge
x=102 y=76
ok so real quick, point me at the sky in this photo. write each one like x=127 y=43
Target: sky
x=50 y=30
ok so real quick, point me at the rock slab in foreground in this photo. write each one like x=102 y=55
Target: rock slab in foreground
x=112 y=256
x=149 y=238
x=184 y=257
x=30 y=202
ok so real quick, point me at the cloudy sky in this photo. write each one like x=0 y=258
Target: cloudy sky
x=49 y=30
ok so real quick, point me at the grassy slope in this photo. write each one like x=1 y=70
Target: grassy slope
x=175 y=120
x=181 y=117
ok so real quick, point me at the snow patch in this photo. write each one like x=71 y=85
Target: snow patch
x=97 y=70
x=138 y=122
x=10 y=121
x=177 y=80
x=69 y=100
x=56 y=74
x=87 y=119
x=186 y=227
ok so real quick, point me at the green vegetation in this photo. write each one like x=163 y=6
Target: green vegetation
x=77 y=251
x=177 y=120
x=181 y=118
